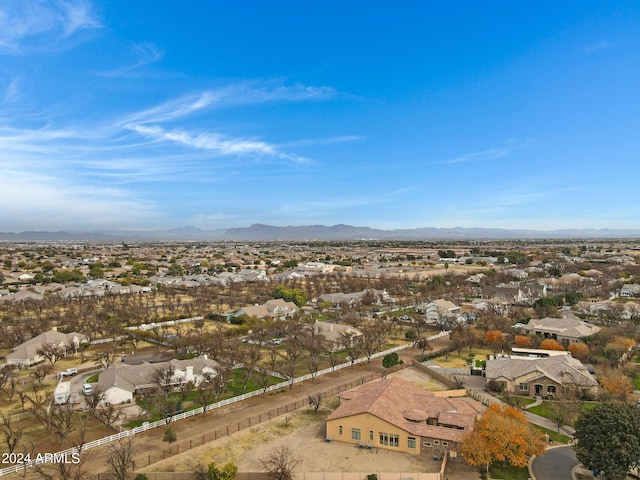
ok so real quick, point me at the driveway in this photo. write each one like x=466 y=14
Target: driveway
x=555 y=464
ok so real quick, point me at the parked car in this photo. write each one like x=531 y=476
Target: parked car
x=69 y=372
x=87 y=389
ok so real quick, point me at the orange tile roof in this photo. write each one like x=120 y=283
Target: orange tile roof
x=398 y=401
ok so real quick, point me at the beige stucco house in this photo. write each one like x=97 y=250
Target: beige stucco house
x=397 y=415
x=566 y=330
x=27 y=353
x=276 y=309
x=546 y=377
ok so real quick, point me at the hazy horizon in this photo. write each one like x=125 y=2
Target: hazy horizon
x=470 y=115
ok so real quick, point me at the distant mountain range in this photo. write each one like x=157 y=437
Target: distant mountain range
x=259 y=232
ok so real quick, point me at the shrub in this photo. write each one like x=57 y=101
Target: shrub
x=390 y=360
x=494 y=386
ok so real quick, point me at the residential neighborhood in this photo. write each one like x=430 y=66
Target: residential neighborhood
x=151 y=334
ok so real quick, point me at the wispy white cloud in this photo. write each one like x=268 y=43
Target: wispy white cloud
x=173 y=109
x=77 y=15
x=216 y=143
x=491 y=154
x=597 y=46
x=323 y=141
x=246 y=93
x=28 y=25
x=508 y=146
x=145 y=53
x=11 y=91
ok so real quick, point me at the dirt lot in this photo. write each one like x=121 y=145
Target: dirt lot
x=304 y=432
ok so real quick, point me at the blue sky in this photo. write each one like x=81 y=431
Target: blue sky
x=158 y=114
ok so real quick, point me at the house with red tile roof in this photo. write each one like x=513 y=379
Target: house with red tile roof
x=397 y=415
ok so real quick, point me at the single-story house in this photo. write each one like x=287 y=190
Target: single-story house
x=630 y=290
x=26 y=354
x=276 y=308
x=397 y=415
x=549 y=376
x=378 y=297
x=121 y=381
x=21 y=296
x=566 y=330
x=336 y=333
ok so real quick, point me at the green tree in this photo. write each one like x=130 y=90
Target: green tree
x=295 y=295
x=175 y=269
x=64 y=276
x=213 y=472
x=169 y=436
x=390 y=360
x=573 y=297
x=547 y=306
x=96 y=272
x=609 y=439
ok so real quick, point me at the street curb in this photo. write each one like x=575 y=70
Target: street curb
x=530 y=466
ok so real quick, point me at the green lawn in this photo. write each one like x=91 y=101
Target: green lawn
x=553 y=435
x=93 y=378
x=518 y=401
x=545 y=409
x=508 y=472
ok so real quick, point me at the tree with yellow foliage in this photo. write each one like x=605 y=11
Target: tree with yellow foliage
x=495 y=338
x=502 y=434
x=550 y=344
x=616 y=384
x=619 y=349
x=579 y=350
x=523 y=341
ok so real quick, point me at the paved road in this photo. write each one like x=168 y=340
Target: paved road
x=555 y=464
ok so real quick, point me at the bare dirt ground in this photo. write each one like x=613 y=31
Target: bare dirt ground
x=304 y=433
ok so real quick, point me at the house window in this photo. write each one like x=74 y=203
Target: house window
x=436 y=442
x=503 y=386
x=524 y=387
x=371 y=435
x=551 y=389
x=432 y=421
x=389 y=439
x=445 y=444
x=340 y=430
x=426 y=444
x=411 y=442
x=355 y=434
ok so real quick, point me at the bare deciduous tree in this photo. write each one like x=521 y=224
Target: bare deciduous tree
x=163 y=376
x=280 y=463
x=120 y=458
x=109 y=415
x=11 y=433
x=314 y=400
x=62 y=421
